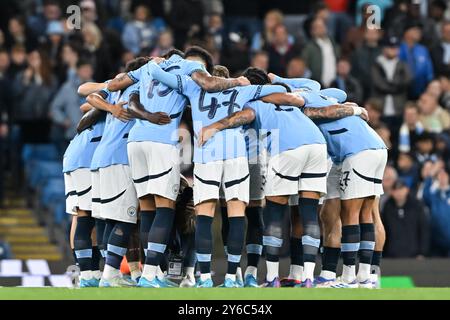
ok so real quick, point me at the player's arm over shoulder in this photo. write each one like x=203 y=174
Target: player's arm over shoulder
x=216 y=84
x=337 y=111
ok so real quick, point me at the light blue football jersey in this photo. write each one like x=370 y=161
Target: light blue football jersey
x=209 y=107
x=284 y=127
x=346 y=136
x=157 y=97
x=113 y=146
x=82 y=147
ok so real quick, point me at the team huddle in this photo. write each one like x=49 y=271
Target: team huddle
x=264 y=147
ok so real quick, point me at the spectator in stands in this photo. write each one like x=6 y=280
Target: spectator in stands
x=436 y=12
x=53 y=46
x=411 y=128
x=441 y=52
x=215 y=30
x=67 y=69
x=186 y=20
x=320 y=54
x=65 y=107
x=356 y=35
x=33 y=90
x=436 y=195
x=425 y=148
x=164 y=44
x=444 y=79
x=297 y=68
x=260 y=59
x=38 y=23
x=262 y=39
x=390 y=80
x=418 y=59
x=5 y=107
x=280 y=50
x=18 y=34
x=374 y=107
x=408 y=170
x=88 y=11
x=140 y=33
x=18 y=60
x=442 y=147
x=433 y=117
x=389 y=178
x=406 y=222
x=365 y=56
x=98 y=51
x=347 y=82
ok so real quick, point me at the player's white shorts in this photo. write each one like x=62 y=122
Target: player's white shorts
x=232 y=175
x=118 y=196
x=358 y=176
x=78 y=190
x=155 y=168
x=96 y=197
x=301 y=169
x=257 y=168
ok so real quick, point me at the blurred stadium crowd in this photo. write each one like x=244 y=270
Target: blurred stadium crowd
x=400 y=72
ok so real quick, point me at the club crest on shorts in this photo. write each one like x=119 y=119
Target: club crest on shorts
x=175 y=188
x=131 y=211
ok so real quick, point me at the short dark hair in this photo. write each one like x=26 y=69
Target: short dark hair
x=172 y=52
x=220 y=71
x=196 y=51
x=83 y=62
x=136 y=63
x=256 y=76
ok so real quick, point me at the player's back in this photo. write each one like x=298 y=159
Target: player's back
x=113 y=146
x=208 y=108
x=285 y=127
x=346 y=136
x=157 y=97
x=82 y=147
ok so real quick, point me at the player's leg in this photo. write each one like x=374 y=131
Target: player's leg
x=207 y=181
x=253 y=242
x=225 y=226
x=367 y=243
x=312 y=184
x=73 y=227
x=296 y=248
x=119 y=208
x=82 y=183
x=133 y=254
x=331 y=226
x=235 y=183
x=380 y=239
x=254 y=214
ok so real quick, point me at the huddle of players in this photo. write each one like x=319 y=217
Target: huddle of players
x=256 y=148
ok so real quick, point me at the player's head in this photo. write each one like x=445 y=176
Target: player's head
x=136 y=64
x=199 y=54
x=220 y=71
x=256 y=76
x=172 y=52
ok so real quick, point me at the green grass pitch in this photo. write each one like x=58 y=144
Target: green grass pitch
x=223 y=294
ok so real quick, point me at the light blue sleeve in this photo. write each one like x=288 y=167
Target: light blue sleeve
x=267 y=90
x=298 y=83
x=192 y=67
x=135 y=75
x=182 y=83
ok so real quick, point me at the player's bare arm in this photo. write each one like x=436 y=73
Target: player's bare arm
x=337 y=111
x=216 y=84
x=120 y=82
x=89 y=119
x=138 y=111
x=85 y=107
x=285 y=99
x=234 y=120
x=97 y=100
x=90 y=87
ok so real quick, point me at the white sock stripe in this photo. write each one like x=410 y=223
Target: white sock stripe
x=254 y=248
x=85 y=253
x=117 y=250
x=235 y=258
x=203 y=257
x=272 y=241
x=310 y=241
x=349 y=247
x=158 y=247
x=366 y=245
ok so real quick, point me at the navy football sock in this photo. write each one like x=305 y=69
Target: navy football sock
x=203 y=242
x=159 y=235
x=350 y=244
x=235 y=245
x=147 y=218
x=273 y=237
x=118 y=243
x=311 y=231
x=255 y=229
x=100 y=226
x=367 y=243
x=83 y=242
x=225 y=229
x=330 y=258
x=296 y=250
